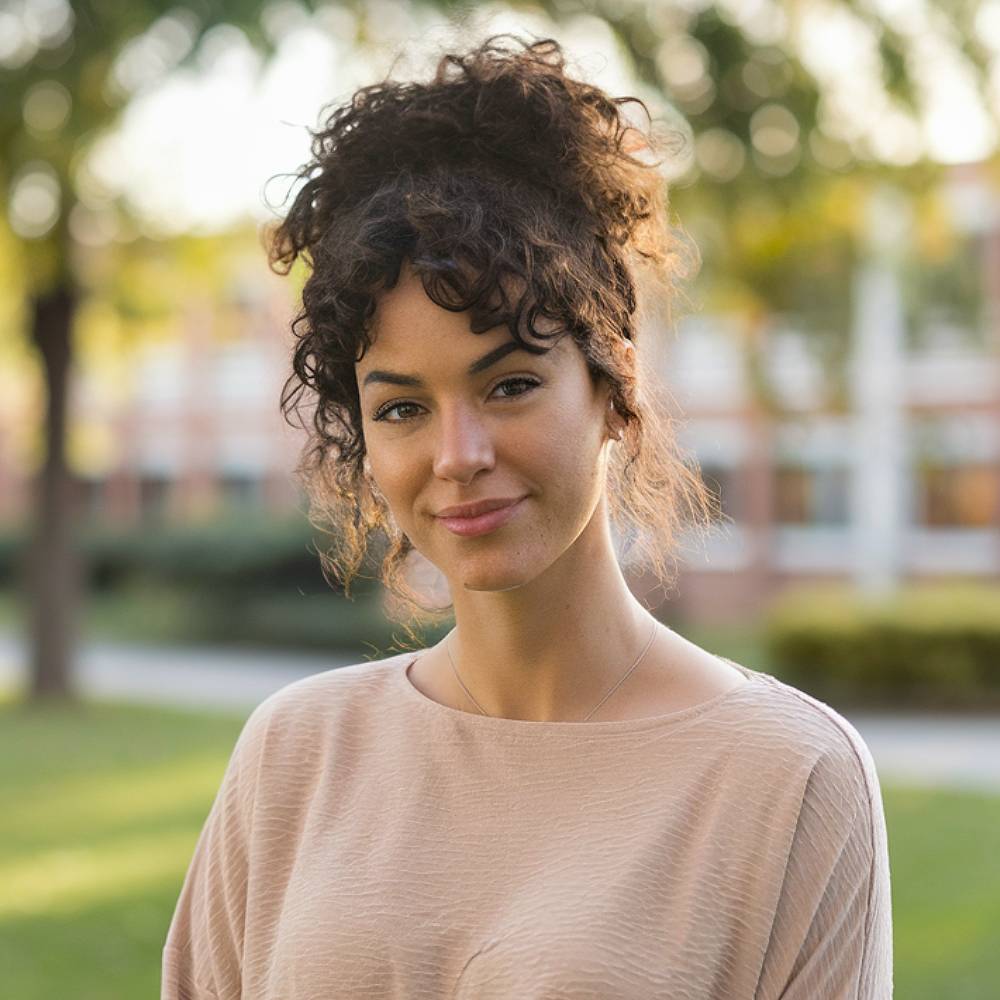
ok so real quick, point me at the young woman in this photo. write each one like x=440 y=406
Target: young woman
x=563 y=797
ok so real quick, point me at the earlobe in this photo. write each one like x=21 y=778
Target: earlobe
x=613 y=423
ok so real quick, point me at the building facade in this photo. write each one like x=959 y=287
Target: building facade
x=896 y=479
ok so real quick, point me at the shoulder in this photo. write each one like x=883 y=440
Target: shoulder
x=330 y=687
x=804 y=777
x=313 y=707
x=801 y=737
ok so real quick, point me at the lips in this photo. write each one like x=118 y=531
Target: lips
x=478 y=507
x=484 y=522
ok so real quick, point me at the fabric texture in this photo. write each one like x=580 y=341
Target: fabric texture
x=368 y=842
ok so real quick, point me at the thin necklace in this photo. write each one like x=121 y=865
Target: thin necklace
x=652 y=635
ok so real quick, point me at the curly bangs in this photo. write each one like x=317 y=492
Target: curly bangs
x=516 y=193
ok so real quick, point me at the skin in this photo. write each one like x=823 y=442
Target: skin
x=545 y=621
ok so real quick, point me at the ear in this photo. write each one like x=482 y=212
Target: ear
x=604 y=395
x=613 y=421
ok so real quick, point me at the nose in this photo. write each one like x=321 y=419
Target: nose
x=463 y=444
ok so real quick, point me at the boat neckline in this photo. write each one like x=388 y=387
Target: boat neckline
x=499 y=724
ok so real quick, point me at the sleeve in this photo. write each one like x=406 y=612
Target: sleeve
x=832 y=932
x=202 y=956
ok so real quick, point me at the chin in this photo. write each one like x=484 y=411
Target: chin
x=490 y=574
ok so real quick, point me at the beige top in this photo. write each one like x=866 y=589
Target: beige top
x=368 y=842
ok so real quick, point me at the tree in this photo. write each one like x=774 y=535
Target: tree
x=60 y=94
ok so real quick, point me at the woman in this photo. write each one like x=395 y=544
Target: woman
x=563 y=797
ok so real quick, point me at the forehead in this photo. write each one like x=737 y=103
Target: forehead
x=408 y=326
x=405 y=310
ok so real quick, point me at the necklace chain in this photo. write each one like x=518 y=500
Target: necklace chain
x=652 y=636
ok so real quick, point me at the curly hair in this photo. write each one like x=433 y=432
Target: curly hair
x=515 y=192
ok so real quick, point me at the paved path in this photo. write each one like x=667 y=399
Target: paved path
x=188 y=676
x=930 y=750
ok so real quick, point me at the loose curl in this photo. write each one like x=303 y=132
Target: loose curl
x=521 y=195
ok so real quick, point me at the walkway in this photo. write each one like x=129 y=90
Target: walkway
x=929 y=750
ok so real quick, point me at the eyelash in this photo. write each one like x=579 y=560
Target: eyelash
x=382 y=411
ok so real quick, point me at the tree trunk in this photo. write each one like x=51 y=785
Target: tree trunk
x=53 y=562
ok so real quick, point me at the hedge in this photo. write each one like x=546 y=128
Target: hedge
x=924 y=646
x=238 y=579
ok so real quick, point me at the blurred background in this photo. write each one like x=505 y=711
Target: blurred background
x=836 y=369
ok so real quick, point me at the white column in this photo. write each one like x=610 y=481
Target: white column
x=878 y=489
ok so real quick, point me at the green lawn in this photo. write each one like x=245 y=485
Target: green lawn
x=103 y=806
x=102 y=809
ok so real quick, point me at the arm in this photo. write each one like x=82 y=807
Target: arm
x=203 y=952
x=832 y=934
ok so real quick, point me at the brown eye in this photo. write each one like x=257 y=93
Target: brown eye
x=381 y=413
x=519 y=380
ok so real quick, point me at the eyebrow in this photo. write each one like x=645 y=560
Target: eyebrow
x=396 y=378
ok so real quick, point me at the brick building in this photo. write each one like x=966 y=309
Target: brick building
x=902 y=482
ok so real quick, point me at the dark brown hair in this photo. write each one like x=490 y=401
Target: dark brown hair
x=522 y=195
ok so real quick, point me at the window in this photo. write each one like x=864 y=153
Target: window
x=811 y=494
x=955 y=471
x=963 y=496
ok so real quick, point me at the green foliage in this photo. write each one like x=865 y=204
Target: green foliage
x=743 y=73
x=950 y=290
x=13 y=549
x=235 y=552
x=241 y=580
x=933 y=645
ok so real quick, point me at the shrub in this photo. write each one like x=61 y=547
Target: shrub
x=926 y=645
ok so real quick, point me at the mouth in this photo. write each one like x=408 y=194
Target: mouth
x=481 y=524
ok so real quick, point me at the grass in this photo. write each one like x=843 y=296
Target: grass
x=103 y=804
x=945 y=863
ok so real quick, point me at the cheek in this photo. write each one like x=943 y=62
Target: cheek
x=392 y=474
x=564 y=451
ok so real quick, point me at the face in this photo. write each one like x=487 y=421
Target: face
x=451 y=417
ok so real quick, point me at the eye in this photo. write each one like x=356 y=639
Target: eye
x=531 y=383
x=381 y=413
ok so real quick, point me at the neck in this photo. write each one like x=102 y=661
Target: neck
x=551 y=649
